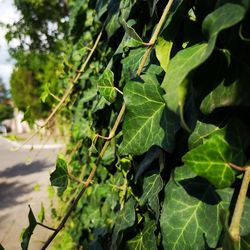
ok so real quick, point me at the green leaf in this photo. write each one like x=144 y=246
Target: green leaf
x=41 y=214
x=234 y=90
x=1 y=247
x=201 y=132
x=130 y=31
x=106 y=86
x=190 y=58
x=211 y=159
x=28 y=117
x=151 y=187
x=28 y=231
x=190 y=213
x=163 y=49
x=147 y=120
x=131 y=63
x=45 y=93
x=59 y=177
x=146 y=239
x=125 y=219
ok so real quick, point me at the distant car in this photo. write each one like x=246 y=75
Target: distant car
x=3 y=129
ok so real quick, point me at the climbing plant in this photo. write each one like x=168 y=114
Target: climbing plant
x=157 y=94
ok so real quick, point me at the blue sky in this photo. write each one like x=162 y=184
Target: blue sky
x=8 y=15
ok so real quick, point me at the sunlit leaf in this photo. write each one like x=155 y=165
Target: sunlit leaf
x=106 y=86
x=211 y=159
x=59 y=177
x=190 y=58
x=163 y=49
x=190 y=202
x=146 y=114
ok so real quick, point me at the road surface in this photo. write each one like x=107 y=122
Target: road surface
x=17 y=183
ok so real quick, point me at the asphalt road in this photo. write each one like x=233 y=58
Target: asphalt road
x=17 y=182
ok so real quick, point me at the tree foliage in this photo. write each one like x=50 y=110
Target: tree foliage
x=165 y=180
x=6 y=110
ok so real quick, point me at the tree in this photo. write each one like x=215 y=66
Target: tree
x=6 y=110
x=25 y=92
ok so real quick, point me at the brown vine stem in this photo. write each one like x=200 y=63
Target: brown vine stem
x=154 y=37
x=111 y=134
x=42 y=225
x=67 y=92
x=234 y=228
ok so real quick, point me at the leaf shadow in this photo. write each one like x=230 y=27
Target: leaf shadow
x=201 y=189
x=21 y=169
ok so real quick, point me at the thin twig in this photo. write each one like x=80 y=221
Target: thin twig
x=111 y=134
x=154 y=37
x=234 y=228
x=236 y=167
x=42 y=225
x=67 y=92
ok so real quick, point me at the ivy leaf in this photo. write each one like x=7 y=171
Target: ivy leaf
x=125 y=219
x=28 y=117
x=151 y=187
x=150 y=156
x=28 y=231
x=163 y=49
x=146 y=239
x=106 y=86
x=232 y=91
x=211 y=159
x=147 y=121
x=200 y=133
x=131 y=63
x=190 y=58
x=41 y=214
x=45 y=93
x=59 y=177
x=188 y=205
x=130 y=31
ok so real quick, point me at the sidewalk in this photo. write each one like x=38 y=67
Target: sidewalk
x=35 y=141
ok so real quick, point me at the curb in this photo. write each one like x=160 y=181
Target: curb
x=32 y=146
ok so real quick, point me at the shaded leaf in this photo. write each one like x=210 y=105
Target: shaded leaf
x=125 y=219
x=147 y=121
x=59 y=177
x=106 y=86
x=131 y=63
x=200 y=133
x=1 y=247
x=130 y=31
x=163 y=49
x=146 y=239
x=28 y=231
x=152 y=185
x=190 y=202
x=232 y=91
x=150 y=156
x=228 y=243
x=190 y=58
x=211 y=159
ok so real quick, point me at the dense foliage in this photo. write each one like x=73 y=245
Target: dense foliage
x=165 y=181
x=6 y=110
